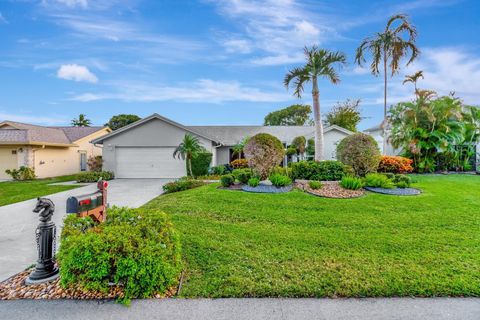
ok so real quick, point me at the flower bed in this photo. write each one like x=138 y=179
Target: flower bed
x=329 y=189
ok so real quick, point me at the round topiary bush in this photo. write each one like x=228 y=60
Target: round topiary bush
x=136 y=249
x=360 y=151
x=263 y=152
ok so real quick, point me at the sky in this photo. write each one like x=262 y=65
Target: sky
x=215 y=62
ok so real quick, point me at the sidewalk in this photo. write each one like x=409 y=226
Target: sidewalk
x=248 y=309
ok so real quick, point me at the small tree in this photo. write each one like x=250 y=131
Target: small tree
x=238 y=148
x=295 y=115
x=81 y=121
x=299 y=143
x=263 y=152
x=121 y=120
x=360 y=151
x=345 y=114
x=187 y=149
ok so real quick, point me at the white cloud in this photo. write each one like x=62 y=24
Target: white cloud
x=199 y=91
x=76 y=72
x=238 y=46
x=278 y=59
x=55 y=120
x=74 y=3
x=3 y=19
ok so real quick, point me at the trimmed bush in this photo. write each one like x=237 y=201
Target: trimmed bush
x=239 y=164
x=395 y=164
x=253 y=182
x=217 y=170
x=402 y=185
x=402 y=181
x=22 y=173
x=95 y=163
x=134 y=248
x=227 y=180
x=360 y=151
x=263 y=152
x=181 y=185
x=201 y=163
x=315 y=184
x=242 y=175
x=328 y=170
x=378 y=180
x=351 y=183
x=93 y=176
x=279 y=180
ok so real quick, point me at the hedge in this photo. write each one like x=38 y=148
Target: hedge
x=201 y=163
x=94 y=176
x=328 y=170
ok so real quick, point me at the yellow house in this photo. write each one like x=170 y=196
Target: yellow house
x=50 y=151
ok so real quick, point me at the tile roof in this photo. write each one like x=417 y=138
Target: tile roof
x=29 y=133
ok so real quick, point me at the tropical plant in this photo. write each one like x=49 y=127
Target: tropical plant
x=81 y=121
x=320 y=63
x=378 y=180
x=238 y=148
x=345 y=114
x=299 y=143
x=187 y=149
x=263 y=152
x=294 y=115
x=253 y=182
x=239 y=163
x=279 y=180
x=360 y=151
x=351 y=183
x=395 y=164
x=414 y=79
x=121 y=120
x=389 y=47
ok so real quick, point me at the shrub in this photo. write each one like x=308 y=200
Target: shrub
x=378 y=180
x=242 y=175
x=351 y=183
x=327 y=170
x=279 y=180
x=291 y=151
x=315 y=184
x=95 y=163
x=23 y=173
x=217 y=170
x=402 y=184
x=93 y=176
x=181 y=185
x=286 y=171
x=200 y=163
x=263 y=152
x=299 y=143
x=360 y=151
x=395 y=164
x=136 y=248
x=253 y=182
x=227 y=180
x=239 y=163
x=402 y=181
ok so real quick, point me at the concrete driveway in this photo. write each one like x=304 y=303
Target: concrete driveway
x=18 y=222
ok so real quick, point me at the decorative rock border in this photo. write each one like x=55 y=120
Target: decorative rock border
x=265 y=188
x=329 y=189
x=396 y=191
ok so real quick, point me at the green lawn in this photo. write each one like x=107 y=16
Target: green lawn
x=239 y=244
x=16 y=191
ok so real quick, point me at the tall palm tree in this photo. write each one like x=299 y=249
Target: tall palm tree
x=389 y=47
x=413 y=78
x=81 y=121
x=187 y=149
x=320 y=63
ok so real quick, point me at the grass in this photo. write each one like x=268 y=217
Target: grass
x=16 y=191
x=239 y=244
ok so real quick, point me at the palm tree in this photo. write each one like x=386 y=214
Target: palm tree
x=320 y=63
x=389 y=47
x=238 y=148
x=187 y=149
x=82 y=121
x=414 y=79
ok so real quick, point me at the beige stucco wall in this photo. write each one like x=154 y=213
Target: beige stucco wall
x=56 y=161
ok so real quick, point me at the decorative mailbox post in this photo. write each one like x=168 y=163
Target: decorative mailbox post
x=92 y=204
x=45 y=270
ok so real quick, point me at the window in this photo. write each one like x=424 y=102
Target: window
x=14 y=151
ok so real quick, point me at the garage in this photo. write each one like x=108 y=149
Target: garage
x=148 y=162
x=8 y=160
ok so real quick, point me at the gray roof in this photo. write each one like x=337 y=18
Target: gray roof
x=231 y=135
x=34 y=134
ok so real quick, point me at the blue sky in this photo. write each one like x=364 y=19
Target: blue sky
x=213 y=62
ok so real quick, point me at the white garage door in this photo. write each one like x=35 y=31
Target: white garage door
x=148 y=162
x=8 y=160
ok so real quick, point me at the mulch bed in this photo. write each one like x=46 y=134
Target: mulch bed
x=330 y=189
x=15 y=288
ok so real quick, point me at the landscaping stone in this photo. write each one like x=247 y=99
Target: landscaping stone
x=267 y=188
x=396 y=191
x=329 y=189
x=15 y=288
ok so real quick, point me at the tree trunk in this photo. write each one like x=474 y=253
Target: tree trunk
x=189 y=167
x=318 y=121
x=385 y=102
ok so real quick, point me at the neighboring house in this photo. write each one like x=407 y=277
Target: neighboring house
x=377 y=133
x=50 y=151
x=144 y=149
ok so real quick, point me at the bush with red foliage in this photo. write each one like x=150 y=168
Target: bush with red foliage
x=395 y=164
x=239 y=163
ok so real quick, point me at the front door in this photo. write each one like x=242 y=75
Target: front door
x=83 y=161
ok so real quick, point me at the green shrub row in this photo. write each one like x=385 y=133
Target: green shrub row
x=327 y=170
x=94 y=176
x=136 y=249
x=181 y=185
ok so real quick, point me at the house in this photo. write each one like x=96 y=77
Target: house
x=50 y=151
x=377 y=133
x=144 y=149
